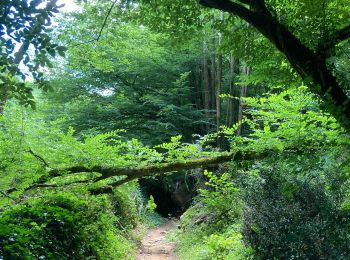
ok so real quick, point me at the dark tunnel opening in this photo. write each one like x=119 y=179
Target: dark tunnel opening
x=173 y=195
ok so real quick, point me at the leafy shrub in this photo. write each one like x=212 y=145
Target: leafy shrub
x=229 y=245
x=62 y=226
x=219 y=194
x=296 y=208
x=211 y=228
x=151 y=205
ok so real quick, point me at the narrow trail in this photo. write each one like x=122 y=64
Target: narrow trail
x=154 y=246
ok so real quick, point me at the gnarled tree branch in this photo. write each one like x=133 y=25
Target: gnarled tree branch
x=311 y=66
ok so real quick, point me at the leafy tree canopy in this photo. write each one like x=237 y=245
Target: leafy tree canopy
x=26 y=46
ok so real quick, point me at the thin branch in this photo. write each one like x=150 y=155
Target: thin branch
x=101 y=29
x=106 y=18
x=41 y=159
x=47 y=185
x=4 y=194
x=55 y=185
x=42 y=185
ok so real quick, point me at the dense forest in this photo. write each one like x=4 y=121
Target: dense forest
x=217 y=128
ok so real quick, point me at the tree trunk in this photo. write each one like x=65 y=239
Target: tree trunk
x=243 y=94
x=132 y=173
x=206 y=86
x=229 y=119
x=212 y=67
x=218 y=89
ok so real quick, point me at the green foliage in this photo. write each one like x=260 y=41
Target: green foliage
x=205 y=243
x=131 y=79
x=25 y=136
x=290 y=119
x=125 y=201
x=22 y=24
x=296 y=206
x=62 y=225
x=151 y=205
x=147 y=81
x=295 y=199
x=219 y=193
x=226 y=246
x=176 y=150
x=211 y=228
x=170 y=17
x=324 y=17
x=42 y=146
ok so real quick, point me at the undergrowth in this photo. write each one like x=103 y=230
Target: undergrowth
x=210 y=229
x=73 y=225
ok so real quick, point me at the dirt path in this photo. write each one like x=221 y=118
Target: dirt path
x=154 y=246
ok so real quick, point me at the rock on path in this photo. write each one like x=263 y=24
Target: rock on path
x=154 y=246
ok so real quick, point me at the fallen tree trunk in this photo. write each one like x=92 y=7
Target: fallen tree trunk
x=133 y=173
x=107 y=172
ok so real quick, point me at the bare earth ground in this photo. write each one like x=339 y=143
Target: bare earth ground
x=154 y=246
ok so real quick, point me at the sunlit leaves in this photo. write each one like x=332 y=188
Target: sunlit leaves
x=289 y=120
x=312 y=21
